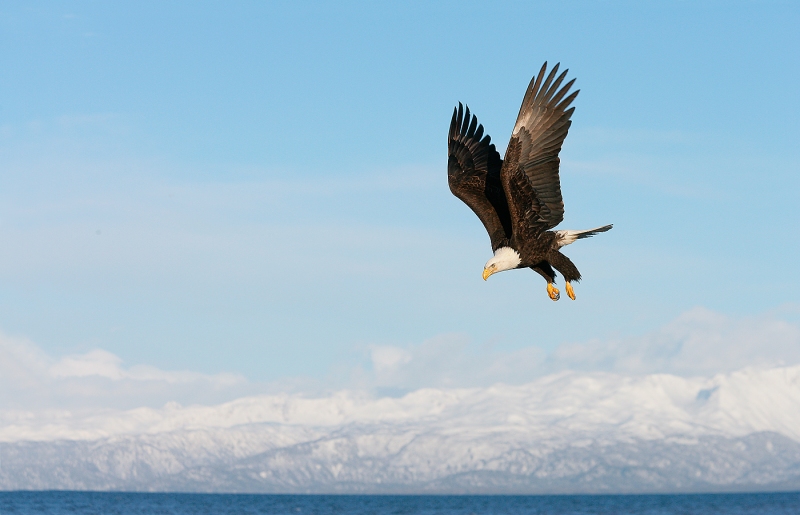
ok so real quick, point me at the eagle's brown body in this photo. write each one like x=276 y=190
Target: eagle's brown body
x=518 y=198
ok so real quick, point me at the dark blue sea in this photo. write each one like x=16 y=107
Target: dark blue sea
x=108 y=503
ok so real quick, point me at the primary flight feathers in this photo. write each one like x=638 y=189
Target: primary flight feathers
x=518 y=198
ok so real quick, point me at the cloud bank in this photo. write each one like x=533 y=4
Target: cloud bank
x=32 y=380
x=698 y=343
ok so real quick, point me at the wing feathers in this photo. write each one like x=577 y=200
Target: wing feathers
x=455 y=122
x=522 y=194
x=472 y=127
x=473 y=173
x=543 y=91
x=541 y=127
x=567 y=102
x=533 y=87
x=557 y=98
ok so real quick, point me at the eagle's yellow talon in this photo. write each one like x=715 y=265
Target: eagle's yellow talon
x=553 y=292
x=570 y=291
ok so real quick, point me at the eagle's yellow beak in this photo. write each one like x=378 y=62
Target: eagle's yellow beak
x=487 y=272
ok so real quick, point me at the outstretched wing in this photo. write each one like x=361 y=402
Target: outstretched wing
x=473 y=173
x=530 y=170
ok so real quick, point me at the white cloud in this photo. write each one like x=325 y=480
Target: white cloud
x=699 y=342
x=387 y=358
x=446 y=361
x=102 y=363
x=31 y=379
x=22 y=363
x=94 y=363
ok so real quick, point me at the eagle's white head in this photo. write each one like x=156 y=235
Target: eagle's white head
x=505 y=258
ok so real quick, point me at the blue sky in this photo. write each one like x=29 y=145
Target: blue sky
x=260 y=188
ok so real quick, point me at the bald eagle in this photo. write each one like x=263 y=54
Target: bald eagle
x=518 y=198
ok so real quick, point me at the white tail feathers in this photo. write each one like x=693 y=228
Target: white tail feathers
x=567 y=237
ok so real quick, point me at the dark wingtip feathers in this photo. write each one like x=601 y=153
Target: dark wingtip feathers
x=464 y=124
x=453 y=123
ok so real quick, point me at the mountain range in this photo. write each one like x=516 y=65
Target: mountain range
x=569 y=432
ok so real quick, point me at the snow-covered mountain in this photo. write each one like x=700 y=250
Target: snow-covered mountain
x=568 y=432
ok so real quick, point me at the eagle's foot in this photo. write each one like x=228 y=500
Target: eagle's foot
x=553 y=292
x=570 y=291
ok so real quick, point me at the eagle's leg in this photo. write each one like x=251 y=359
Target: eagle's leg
x=553 y=292
x=570 y=291
x=567 y=268
x=544 y=269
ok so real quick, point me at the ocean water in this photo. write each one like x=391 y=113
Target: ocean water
x=111 y=503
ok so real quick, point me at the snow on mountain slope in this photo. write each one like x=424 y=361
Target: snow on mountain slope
x=564 y=432
x=556 y=406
